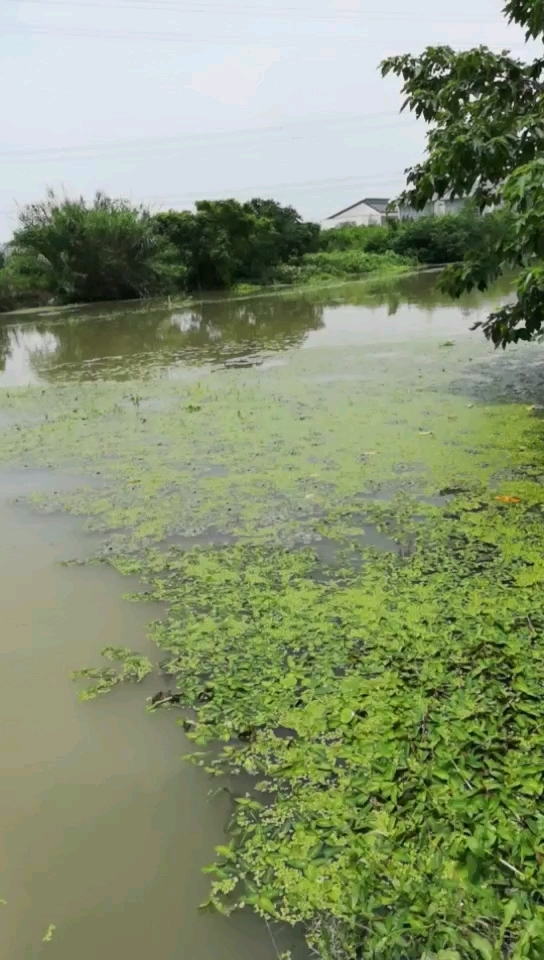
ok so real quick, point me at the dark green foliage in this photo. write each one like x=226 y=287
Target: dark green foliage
x=486 y=139
x=527 y=12
x=23 y=283
x=226 y=242
x=437 y=240
x=430 y=240
x=108 y=250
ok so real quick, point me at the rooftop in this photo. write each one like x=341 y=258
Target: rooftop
x=379 y=204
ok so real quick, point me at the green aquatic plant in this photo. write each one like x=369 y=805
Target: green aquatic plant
x=393 y=723
x=134 y=669
x=349 y=550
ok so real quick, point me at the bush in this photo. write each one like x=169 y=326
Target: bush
x=22 y=284
x=437 y=240
x=227 y=243
x=429 y=240
x=109 y=250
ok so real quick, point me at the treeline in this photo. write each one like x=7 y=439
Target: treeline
x=69 y=251
x=429 y=240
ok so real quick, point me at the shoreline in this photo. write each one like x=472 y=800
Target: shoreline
x=210 y=296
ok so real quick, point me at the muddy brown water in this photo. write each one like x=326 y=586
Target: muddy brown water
x=104 y=829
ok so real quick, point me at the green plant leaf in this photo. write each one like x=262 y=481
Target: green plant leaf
x=483 y=946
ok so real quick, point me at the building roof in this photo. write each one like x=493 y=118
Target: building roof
x=379 y=204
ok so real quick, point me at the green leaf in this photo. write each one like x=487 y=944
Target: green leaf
x=266 y=905
x=483 y=946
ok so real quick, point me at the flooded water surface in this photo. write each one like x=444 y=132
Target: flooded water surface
x=283 y=419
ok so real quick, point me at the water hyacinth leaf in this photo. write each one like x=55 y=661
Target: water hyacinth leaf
x=134 y=668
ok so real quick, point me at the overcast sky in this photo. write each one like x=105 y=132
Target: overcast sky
x=166 y=101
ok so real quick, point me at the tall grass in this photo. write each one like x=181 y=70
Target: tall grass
x=335 y=264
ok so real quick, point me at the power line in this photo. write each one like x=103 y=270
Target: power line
x=288 y=128
x=226 y=38
x=380 y=179
x=298 y=184
x=276 y=12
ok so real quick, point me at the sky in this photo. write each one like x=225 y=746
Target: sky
x=168 y=101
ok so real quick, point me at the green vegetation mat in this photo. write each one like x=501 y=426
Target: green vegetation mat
x=350 y=545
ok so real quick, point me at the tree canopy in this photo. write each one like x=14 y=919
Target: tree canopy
x=486 y=140
x=226 y=242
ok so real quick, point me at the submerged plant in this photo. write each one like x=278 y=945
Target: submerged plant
x=48 y=935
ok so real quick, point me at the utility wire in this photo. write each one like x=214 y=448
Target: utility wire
x=276 y=12
x=299 y=184
x=226 y=38
x=380 y=180
x=292 y=130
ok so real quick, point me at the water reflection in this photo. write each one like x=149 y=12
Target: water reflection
x=137 y=339
x=129 y=339
x=417 y=289
x=22 y=350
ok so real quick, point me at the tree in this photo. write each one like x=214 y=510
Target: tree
x=227 y=242
x=108 y=250
x=294 y=238
x=486 y=140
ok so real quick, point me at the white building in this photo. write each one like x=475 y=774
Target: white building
x=372 y=212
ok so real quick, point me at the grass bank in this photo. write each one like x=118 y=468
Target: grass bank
x=327 y=271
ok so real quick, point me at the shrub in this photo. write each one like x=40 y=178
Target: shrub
x=429 y=240
x=108 y=250
x=226 y=242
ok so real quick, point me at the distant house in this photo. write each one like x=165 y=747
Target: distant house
x=365 y=213
x=373 y=211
